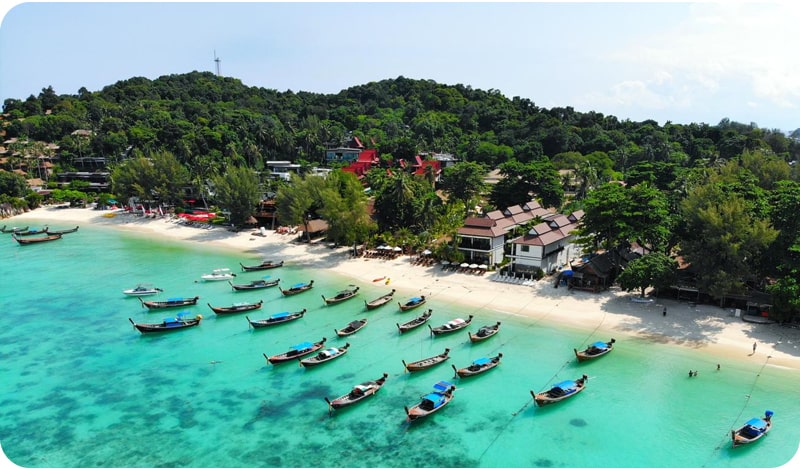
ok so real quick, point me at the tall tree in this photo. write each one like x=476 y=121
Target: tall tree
x=463 y=182
x=237 y=190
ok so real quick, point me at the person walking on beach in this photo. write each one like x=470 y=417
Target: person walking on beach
x=754 y=346
x=665 y=311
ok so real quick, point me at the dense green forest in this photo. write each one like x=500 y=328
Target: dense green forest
x=691 y=189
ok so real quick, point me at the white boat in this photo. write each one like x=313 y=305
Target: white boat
x=218 y=274
x=143 y=289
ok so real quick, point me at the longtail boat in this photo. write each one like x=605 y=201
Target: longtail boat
x=426 y=363
x=168 y=324
x=484 y=333
x=416 y=322
x=380 y=301
x=358 y=393
x=478 y=366
x=343 y=295
x=170 y=303
x=236 y=307
x=441 y=396
x=264 y=265
x=296 y=351
x=277 y=318
x=297 y=288
x=595 y=350
x=560 y=391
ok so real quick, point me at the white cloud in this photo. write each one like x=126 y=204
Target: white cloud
x=745 y=49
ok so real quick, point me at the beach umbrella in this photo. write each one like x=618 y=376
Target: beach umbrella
x=464 y=265
x=397 y=249
x=483 y=266
x=473 y=266
x=445 y=262
x=426 y=252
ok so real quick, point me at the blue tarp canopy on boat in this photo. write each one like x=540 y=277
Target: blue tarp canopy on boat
x=280 y=315
x=757 y=423
x=415 y=299
x=302 y=346
x=600 y=345
x=298 y=285
x=568 y=384
x=482 y=361
x=179 y=298
x=567 y=273
x=442 y=386
x=436 y=398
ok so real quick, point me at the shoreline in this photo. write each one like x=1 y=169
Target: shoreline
x=712 y=329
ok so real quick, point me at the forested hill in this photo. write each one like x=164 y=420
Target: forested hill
x=199 y=115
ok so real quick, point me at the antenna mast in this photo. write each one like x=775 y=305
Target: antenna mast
x=216 y=62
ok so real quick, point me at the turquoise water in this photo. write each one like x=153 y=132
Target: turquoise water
x=82 y=388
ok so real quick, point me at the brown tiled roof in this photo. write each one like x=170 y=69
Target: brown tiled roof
x=485 y=232
x=479 y=221
x=521 y=218
x=541 y=228
x=559 y=221
x=532 y=205
x=513 y=210
x=495 y=214
x=576 y=215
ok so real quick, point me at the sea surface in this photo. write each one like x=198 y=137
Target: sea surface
x=81 y=388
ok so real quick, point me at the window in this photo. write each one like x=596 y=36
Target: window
x=525 y=248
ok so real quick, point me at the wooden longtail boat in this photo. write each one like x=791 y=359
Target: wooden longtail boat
x=31 y=232
x=753 y=430
x=484 y=333
x=412 y=303
x=560 y=391
x=358 y=393
x=170 y=303
x=325 y=356
x=441 y=396
x=71 y=230
x=351 y=328
x=297 y=288
x=380 y=301
x=169 y=324
x=264 y=265
x=595 y=350
x=236 y=307
x=478 y=366
x=41 y=239
x=451 y=326
x=254 y=285
x=416 y=322
x=296 y=351
x=426 y=363
x=277 y=318
x=343 y=295
x=13 y=229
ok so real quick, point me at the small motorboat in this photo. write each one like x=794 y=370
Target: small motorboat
x=416 y=322
x=217 y=275
x=297 y=288
x=351 y=328
x=254 y=285
x=170 y=303
x=441 y=396
x=325 y=356
x=296 y=351
x=341 y=296
x=380 y=301
x=277 y=318
x=143 y=289
x=478 y=366
x=752 y=430
x=451 y=326
x=31 y=232
x=168 y=324
x=412 y=303
x=264 y=265
x=560 y=391
x=236 y=307
x=426 y=363
x=484 y=333
x=595 y=350
x=358 y=393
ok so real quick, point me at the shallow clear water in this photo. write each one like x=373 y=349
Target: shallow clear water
x=82 y=388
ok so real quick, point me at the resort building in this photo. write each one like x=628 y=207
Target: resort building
x=546 y=246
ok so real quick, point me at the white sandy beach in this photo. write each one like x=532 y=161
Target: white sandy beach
x=610 y=314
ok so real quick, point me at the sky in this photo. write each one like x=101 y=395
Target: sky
x=669 y=62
